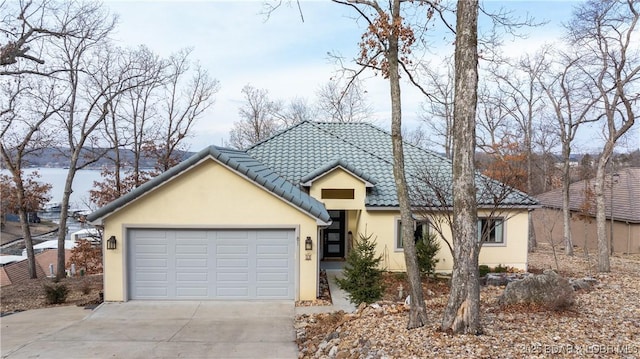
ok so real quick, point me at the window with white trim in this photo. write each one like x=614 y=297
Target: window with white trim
x=420 y=230
x=491 y=230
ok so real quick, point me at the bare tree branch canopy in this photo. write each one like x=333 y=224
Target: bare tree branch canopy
x=258 y=118
x=344 y=103
x=25 y=25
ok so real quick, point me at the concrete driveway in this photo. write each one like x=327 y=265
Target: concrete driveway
x=180 y=329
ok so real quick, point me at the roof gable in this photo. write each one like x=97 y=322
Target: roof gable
x=241 y=163
x=331 y=166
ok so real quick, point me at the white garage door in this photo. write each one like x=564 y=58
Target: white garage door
x=211 y=264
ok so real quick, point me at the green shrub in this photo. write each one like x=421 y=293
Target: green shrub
x=500 y=269
x=483 y=269
x=426 y=250
x=362 y=278
x=56 y=293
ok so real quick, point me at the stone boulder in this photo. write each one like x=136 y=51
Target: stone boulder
x=547 y=289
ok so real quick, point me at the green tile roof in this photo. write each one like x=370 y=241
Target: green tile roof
x=305 y=150
x=239 y=161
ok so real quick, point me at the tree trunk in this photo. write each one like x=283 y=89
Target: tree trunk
x=566 y=213
x=532 y=235
x=28 y=241
x=64 y=213
x=418 y=310
x=604 y=264
x=462 y=314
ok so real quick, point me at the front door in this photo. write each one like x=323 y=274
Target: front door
x=334 y=236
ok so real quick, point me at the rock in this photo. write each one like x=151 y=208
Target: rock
x=585 y=283
x=323 y=346
x=497 y=279
x=331 y=336
x=548 y=289
x=333 y=351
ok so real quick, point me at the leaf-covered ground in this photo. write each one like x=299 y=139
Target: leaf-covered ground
x=603 y=323
x=30 y=294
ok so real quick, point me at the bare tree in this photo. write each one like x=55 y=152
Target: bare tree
x=438 y=109
x=606 y=34
x=186 y=100
x=258 y=119
x=385 y=48
x=129 y=125
x=571 y=100
x=344 y=103
x=295 y=111
x=26 y=25
x=30 y=105
x=95 y=74
x=462 y=313
x=141 y=110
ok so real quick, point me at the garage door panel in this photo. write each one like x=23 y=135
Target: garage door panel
x=191 y=262
x=143 y=292
x=232 y=292
x=264 y=249
x=151 y=248
x=192 y=248
x=272 y=277
x=223 y=263
x=211 y=264
x=232 y=249
x=151 y=276
x=148 y=263
x=271 y=293
x=190 y=293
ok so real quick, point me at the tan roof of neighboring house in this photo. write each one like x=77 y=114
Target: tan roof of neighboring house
x=626 y=196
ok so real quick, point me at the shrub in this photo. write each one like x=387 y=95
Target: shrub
x=500 y=269
x=362 y=278
x=56 y=293
x=483 y=269
x=87 y=257
x=426 y=250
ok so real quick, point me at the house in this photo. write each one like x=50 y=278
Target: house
x=15 y=269
x=622 y=195
x=261 y=223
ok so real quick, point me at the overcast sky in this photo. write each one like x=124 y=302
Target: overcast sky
x=235 y=42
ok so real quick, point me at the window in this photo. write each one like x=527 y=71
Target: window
x=337 y=193
x=491 y=230
x=421 y=228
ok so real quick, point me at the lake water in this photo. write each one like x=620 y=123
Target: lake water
x=82 y=184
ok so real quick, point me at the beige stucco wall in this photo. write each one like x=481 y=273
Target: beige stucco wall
x=512 y=253
x=340 y=179
x=547 y=224
x=208 y=195
x=382 y=225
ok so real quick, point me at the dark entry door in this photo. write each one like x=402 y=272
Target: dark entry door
x=334 y=236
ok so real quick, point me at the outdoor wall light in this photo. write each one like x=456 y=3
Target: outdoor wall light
x=308 y=244
x=111 y=243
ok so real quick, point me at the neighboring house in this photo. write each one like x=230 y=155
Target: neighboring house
x=625 y=188
x=229 y=224
x=16 y=271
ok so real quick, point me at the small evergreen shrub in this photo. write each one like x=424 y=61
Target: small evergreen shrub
x=501 y=269
x=426 y=250
x=362 y=277
x=56 y=293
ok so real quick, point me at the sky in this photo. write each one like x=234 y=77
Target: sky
x=239 y=45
